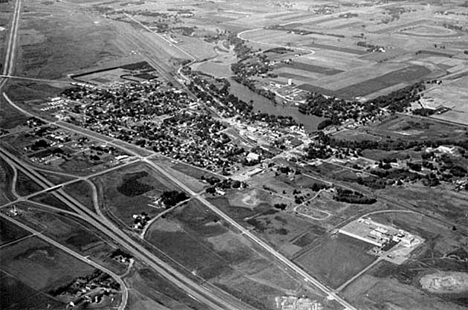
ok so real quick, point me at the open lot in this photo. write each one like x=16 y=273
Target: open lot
x=336 y=259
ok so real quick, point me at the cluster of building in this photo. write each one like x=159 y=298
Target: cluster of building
x=388 y=240
x=91 y=289
x=162 y=119
x=56 y=103
x=50 y=145
x=297 y=303
x=140 y=220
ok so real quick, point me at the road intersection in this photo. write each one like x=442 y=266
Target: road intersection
x=213 y=300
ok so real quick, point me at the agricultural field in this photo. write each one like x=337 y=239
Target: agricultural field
x=351 y=50
x=452 y=95
x=42 y=52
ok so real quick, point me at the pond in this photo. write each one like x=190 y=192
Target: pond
x=262 y=104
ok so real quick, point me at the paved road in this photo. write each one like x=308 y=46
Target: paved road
x=304 y=275
x=33 y=79
x=103 y=224
x=195 y=290
x=308 y=278
x=11 y=46
x=118 y=279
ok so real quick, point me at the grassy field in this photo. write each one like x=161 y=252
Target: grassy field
x=193 y=229
x=219 y=255
x=310 y=236
x=330 y=47
x=355 y=135
x=257 y=295
x=51 y=200
x=15 y=295
x=336 y=259
x=280 y=229
x=441 y=242
x=55 y=57
x=10 y=117
x=440 y=203
x=82 y=192
x=309 y=67
x=74 y=234
x=41 y=266
x=198 y=48
x=369 y=292
x=451 y=95
x=193 y=183
x=415 y=128
x=192 y=171
x=197 y=218
x=235 y=211
x=26 y=186
x=192 y=253
x=10 y=232
x=55 y=178
x=130 y=190
x=6 y=177
x=151 y=291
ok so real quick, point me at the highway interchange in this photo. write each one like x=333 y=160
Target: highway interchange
x=202 y=293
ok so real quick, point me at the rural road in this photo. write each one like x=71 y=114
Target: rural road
x=197 y=291
x=9 y=63
x=328 y=291
x=239 y=35
x=118 y=279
